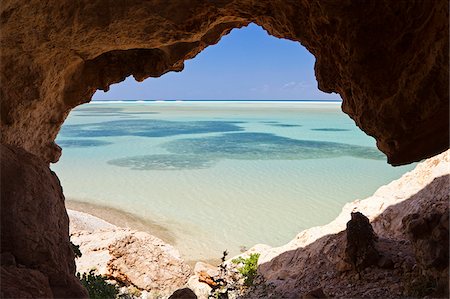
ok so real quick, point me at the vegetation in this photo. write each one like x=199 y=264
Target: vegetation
x=220 y=291
x=249 y=267
x=97 y=286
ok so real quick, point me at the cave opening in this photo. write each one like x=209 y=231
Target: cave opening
x=388 y=61
x=241 y=139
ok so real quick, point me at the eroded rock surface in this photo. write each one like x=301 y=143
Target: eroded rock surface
x=429 y=235
x=360 y=248
x=387 y=59
x=37 y=260
x=135 y=259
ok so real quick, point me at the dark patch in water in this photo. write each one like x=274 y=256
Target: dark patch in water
x=147 y=128
x=330 y=129
x=81 y=143
x=140 y=113
x=269 y=122
x=199 y=153
x=264 y=146
x=163 y=162
x=285 y=125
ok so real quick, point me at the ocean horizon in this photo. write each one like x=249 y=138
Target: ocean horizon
x=219 y=101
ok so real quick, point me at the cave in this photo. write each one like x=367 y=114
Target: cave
x=388 y=60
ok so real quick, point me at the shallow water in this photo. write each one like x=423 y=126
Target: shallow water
x=220 y=175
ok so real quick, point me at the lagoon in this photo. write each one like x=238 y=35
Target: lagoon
x=207 y=176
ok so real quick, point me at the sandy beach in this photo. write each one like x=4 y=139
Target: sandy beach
x=119 y=219
x=90 y=217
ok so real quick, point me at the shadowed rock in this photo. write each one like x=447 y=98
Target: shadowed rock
x=429 y=234
x=37 y=258
x=185 y=293
x=360 y=250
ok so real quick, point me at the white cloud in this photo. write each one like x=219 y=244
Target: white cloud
x=289 y=85
x=261 y=89
x=302 y=85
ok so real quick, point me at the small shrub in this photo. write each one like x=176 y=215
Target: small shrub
x=97 y=286
x=249 y=267
x=76 y=250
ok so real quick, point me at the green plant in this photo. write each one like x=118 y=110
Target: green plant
x=249 y=267
x=97 y=286
x=76 y=250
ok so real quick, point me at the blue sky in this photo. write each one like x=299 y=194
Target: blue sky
x=247 y=64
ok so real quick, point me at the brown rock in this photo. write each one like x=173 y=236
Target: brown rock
x=185 y=293
x=385 y=262
x=24 y=283
x=388 y=59
x=429 y=235
x=206 y=278
x=360 y=248
x=35 y=228
x=317 y=293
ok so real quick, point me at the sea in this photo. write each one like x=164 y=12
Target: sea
x=209 y=176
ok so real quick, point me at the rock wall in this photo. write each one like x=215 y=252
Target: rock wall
x=387 y=59
x=36 y=257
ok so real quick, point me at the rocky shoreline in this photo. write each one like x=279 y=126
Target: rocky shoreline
x=404 y=216
x=137 y=261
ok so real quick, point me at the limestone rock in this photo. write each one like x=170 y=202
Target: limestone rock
x=34 y=228
x=201 y=290
x=130 y=257
x=135 y=260
x=206 y=268
x=387 y=59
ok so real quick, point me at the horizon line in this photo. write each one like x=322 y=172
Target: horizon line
x=206 y=100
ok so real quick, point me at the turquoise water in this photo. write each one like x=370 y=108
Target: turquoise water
x=220 y=175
